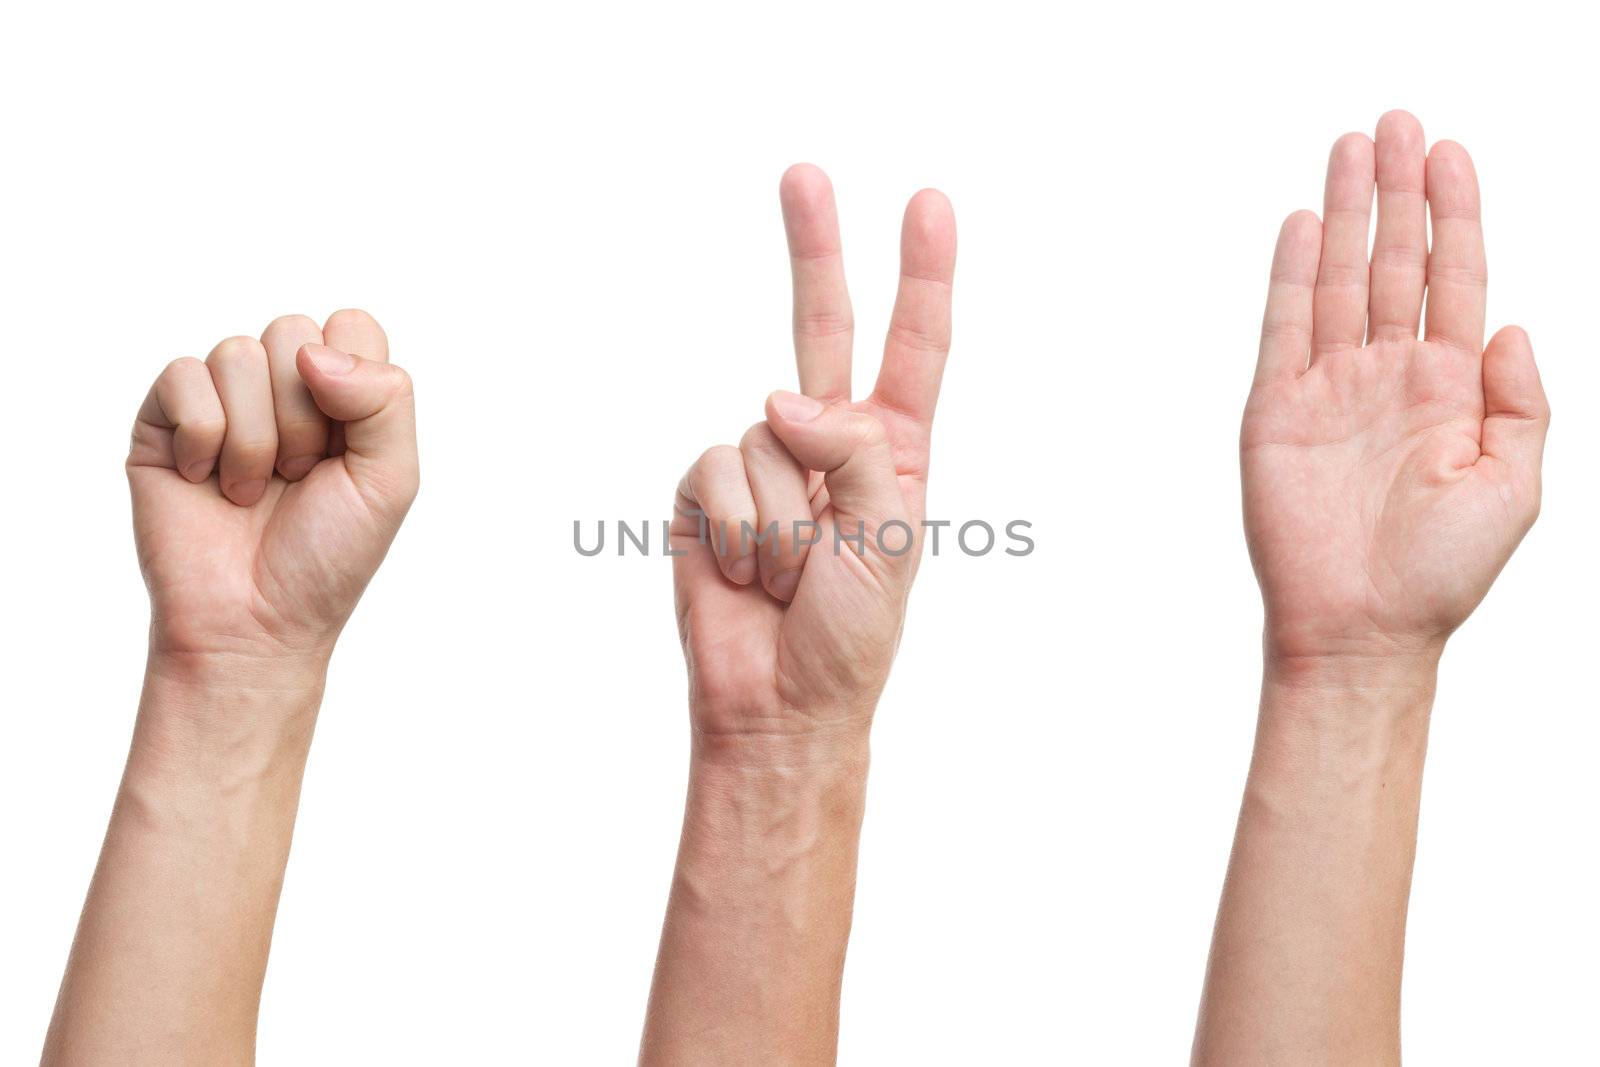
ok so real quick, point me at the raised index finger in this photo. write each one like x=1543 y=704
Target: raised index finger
x=919 y=330
x=823 y=326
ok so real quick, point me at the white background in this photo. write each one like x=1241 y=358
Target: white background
x=569 y=224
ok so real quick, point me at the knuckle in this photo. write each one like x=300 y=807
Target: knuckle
x=183 y=367
x=719 y=459
x=817 y=325
x=1399 y=256
x=919 y=339
x=253 y=450
x=292 y=324
x=788 y=555
x=348 y=317
x=1341 y=275
x=390 y=487
x=401 y=382
x=742 y=525
x=405 y=481
x=234 y=350
x=1466 y=274
x=1284 y=329
x=207 y=429
x=302 y=430
x=869 y=432
x=760 y=438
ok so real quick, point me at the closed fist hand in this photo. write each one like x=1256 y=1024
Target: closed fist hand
x=268 y=482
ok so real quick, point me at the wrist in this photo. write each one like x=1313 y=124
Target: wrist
x=1395 y=671
x=254 y=664
x=1334 y=648
x=223 y=720
x=830 y=746
x=774 y=805
x=1346 y=722
x=762 y=894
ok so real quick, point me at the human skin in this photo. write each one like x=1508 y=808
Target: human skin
x=788 y=652
x=1387 y=480
x=267 y=484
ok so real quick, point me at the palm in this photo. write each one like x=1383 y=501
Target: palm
x=754 y=653
x=295 y=562
x=267 y=484
x=838 y=635
x=1383 y=488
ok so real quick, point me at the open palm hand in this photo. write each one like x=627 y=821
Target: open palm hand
x=1387 y=479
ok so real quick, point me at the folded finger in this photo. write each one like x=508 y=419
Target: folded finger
x=779 y=487
x=358 y=333
x=375 y=408
x=181 y=424
x=714 y=505
x=852 y=451
x=239 y=368
x=302 y=427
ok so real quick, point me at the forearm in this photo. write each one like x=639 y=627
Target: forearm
x=1306 y=961
x=171 y=949
x=752 y=952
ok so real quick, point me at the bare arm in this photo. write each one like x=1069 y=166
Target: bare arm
x=1310 y=933
x=789 y=646
x=752 y=953
x=1387 y=480
x=171 y=951
x=267 y=484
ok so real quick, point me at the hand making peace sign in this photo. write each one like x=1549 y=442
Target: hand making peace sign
x=788 y=636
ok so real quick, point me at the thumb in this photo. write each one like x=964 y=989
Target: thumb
x=374 y=402
x=1515 y=412
x=852 y=452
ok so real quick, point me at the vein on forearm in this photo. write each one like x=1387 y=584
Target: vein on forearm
x=172 y=944
x=752 y=951
x=1310 y=933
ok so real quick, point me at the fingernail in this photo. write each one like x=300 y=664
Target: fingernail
x=198 y=471
x=247 y=492
x=743 y=570
x=784 y=584
x=298 y=467
x=330 y=360
x=795 y=407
